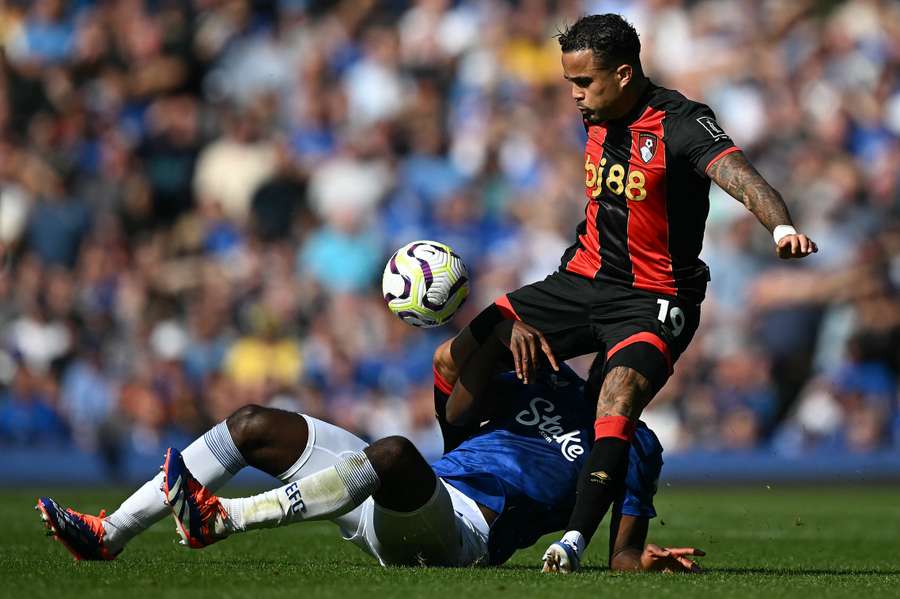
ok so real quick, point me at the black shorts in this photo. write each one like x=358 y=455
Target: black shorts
x=626 y=327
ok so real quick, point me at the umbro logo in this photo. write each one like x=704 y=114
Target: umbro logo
x=599 y=477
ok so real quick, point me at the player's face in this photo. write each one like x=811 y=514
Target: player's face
x=597 y=90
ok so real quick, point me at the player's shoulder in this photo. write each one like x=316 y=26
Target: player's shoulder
x=687 y=121
x=676 y=105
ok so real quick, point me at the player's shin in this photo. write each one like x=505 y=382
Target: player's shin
x=602 y=478
x=213 y=459
x=324 y=495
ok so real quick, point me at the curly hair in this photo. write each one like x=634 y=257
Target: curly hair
x=612 y=39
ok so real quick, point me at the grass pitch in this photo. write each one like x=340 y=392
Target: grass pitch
x=761 y=542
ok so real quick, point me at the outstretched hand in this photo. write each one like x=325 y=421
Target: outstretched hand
x=666 y=559
x=524 y=341
x=795 y=246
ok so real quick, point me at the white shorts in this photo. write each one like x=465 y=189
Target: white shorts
x=449 y=530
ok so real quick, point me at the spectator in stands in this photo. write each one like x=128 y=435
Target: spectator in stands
x=209 y=194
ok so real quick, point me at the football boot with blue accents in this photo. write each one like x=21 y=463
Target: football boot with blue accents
x=199 y=515
x=81 y=534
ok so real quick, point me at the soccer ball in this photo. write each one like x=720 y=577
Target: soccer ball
x=425 y=283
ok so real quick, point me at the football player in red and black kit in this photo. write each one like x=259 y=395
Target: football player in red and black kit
x=631 y=285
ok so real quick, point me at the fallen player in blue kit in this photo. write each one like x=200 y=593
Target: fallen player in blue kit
x=499 y=490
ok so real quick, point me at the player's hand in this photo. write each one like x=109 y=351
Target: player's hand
x=670 y=559
x=795 y=246
x=524 y=341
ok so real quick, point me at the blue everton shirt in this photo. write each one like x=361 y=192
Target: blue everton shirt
x=524 y=464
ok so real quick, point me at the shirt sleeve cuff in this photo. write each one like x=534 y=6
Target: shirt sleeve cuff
x=721 y=154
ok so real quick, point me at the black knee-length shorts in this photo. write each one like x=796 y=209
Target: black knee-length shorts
x=625 y=326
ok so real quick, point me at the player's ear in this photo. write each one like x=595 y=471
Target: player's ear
x=624 y=74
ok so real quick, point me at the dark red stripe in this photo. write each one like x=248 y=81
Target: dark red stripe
x=648 y=221
x=612 y=217
x=506 y=308
x=720 y=155
x=643 y=337
x=619 y=427
x=586 y=261
x=441 y=383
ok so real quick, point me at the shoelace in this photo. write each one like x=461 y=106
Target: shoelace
x=94 y=523
x=209 y=507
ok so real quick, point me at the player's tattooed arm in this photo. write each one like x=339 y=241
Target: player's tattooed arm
x=734 y=173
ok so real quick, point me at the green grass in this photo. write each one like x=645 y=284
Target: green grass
x=761 y=542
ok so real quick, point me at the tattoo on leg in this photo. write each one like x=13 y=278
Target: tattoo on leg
x=625 y=392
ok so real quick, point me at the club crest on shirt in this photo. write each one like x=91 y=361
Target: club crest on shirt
x=647 y=143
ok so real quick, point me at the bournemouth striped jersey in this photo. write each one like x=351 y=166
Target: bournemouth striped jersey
x=648 y=196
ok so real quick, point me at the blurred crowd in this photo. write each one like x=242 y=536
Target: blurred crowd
x=197 y=198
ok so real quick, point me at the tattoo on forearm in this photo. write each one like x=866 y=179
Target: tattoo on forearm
x=740 y=179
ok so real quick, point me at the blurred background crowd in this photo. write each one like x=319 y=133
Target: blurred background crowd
x=197 y=198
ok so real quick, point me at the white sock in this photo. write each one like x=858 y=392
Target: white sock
x=323 y=495
x=213 y=459
x=575 y=539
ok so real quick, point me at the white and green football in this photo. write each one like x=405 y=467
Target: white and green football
x=425 y=283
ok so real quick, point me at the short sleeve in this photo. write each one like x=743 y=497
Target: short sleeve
x=696 y=137
x=644 y=467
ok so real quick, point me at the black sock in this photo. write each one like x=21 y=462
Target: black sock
x=601 y=481
x=453 y=435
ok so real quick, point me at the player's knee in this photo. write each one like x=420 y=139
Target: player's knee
x=394 y=455
x=400 y=449
x=248 y=425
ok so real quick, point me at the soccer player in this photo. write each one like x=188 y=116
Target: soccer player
x=499 y=490
x=631 y=285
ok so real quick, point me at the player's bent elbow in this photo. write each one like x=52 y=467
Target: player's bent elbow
x=396 y=458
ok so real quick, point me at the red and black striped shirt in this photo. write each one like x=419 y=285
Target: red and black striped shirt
x=648 y=196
